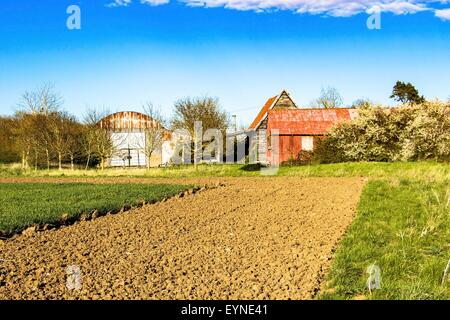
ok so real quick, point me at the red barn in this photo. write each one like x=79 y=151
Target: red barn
x=294 y=127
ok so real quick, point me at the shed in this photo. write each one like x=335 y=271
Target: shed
x=296 y=129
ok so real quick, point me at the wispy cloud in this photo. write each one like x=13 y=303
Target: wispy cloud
x=443 y=14
x=119 y=3
x=155 y=2
x=335 y=8
x=125 y=3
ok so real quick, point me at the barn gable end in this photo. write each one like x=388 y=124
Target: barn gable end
x=281 y=102
x=284 y=102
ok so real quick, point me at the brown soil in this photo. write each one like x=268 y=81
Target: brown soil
x=254 y=238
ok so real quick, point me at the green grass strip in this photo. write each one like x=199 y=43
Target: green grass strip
x=403 y=228
x=428 y=170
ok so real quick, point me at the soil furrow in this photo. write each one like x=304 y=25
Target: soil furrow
x=254 y=238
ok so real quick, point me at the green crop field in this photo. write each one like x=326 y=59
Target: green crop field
x=25 y=204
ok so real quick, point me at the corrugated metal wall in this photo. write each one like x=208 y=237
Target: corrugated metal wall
x=296 y=127
x=130 y=149
x=128 y=134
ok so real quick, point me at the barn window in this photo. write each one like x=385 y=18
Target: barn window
x=307 y=143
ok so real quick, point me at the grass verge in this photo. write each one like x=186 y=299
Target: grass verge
x=412 y=170
x=403 y=228
x=26 y=204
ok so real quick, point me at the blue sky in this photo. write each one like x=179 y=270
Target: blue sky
x=242 y=53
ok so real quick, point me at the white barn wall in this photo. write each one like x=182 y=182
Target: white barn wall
x=128 y=144
x=128 y=133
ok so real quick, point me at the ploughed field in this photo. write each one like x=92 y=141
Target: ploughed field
x=247 y=238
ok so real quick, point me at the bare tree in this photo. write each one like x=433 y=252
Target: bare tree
x=24 y=140
x=205 y=110
x=43 y=136
x=8 y=151
x=96 y=140
x=44 y=100
x=44 y=130
x=154 y=131
x=32 y=137
x=93 y=116
x=60 y=139
x=361 y=103
x=104 y=146
x=329 y=98
x=33 y=116
x=88 y=141
x=74 y=148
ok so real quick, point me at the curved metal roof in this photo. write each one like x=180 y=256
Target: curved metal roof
x=128 y=120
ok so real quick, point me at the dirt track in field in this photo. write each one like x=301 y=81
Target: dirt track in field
x=254 y=238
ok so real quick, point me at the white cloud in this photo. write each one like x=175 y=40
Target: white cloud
x=403 y=7
x=443 y=14
x=155 y=2
x=125 y=3
x=338 y=8
x=119 y=3
x=335 y=8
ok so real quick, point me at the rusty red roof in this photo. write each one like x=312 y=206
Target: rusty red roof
x=128 y=120
x=307 y=121
x=263 y=112
x=131 y=120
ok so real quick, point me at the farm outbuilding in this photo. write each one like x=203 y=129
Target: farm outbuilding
x=281 y=102
x=294 y=128
x=129 y=133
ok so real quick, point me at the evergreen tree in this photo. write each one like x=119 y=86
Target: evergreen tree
x=406 y=93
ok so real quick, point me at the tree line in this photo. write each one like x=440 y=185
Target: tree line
x=410 y=132
x=403 y=92
x=41 y=134
x=414 y=130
